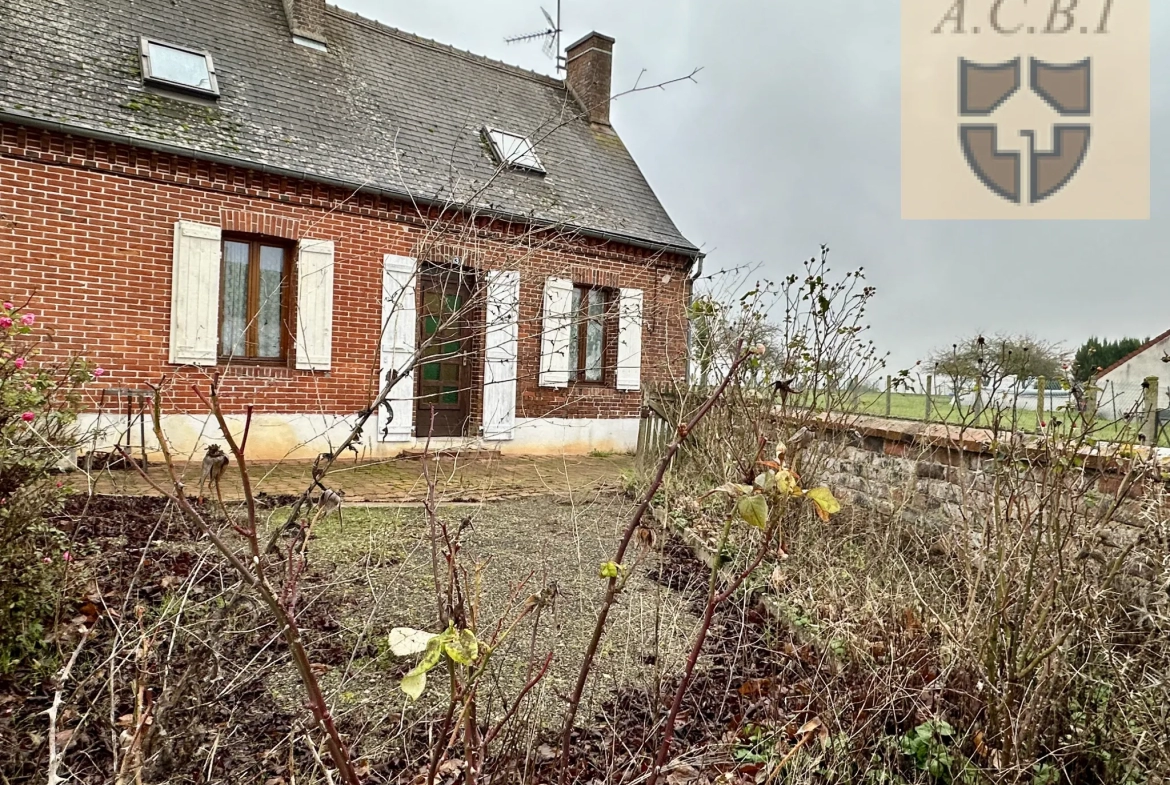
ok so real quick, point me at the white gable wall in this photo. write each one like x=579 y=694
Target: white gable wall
x=1121 y=388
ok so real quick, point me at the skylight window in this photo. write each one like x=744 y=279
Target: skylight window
x=514 y=150
x=178 y=67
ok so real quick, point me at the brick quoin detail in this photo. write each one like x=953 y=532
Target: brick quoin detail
x=87 y=227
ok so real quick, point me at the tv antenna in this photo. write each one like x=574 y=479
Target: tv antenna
x=551 y=36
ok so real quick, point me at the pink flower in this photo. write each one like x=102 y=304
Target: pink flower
x=7 y=306
x=47 y=560
x=28 y=416
x=67 y=556
x=28 y=319
x=18 y=362
x=99 y=371
x=5 y=321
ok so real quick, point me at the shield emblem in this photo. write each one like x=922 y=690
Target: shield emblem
x=1065 y=88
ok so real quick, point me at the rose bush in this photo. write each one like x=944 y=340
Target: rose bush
x=39 y=404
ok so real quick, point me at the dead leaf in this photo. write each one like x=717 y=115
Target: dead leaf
x=63 y=736
x=810 y=726
x=545 y=752
x=755 y=686
x=452 y=766
x=682 y=774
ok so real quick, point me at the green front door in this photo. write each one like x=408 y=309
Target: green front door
x=444 y=377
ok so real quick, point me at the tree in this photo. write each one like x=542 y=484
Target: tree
x=994 y=360
x=1095 y=354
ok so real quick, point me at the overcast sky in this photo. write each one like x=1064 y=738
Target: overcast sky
x=790 y=139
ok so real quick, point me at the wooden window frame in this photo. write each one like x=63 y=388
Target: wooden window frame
x=288 y=300
x=581 y=321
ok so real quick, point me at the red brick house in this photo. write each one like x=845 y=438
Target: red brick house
x=301 y=199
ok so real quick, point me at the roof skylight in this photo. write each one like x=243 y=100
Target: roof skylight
x=514 y=150
x=178 y=67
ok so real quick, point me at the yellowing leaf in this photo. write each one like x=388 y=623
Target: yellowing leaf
x=413 y=684
x=405 y=641
x=787 y=482
x=754 y=510
x=824 y=502
x=463 y=647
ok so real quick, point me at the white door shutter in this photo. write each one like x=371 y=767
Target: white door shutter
x=629 y=355
x=554 y=340
x=195 y=294
x=314 y=305
x=396 y=416
x=499 y=376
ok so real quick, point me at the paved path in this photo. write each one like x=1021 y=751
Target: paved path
x=471 y=477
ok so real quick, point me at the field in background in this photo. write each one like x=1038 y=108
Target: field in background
x=942 y=409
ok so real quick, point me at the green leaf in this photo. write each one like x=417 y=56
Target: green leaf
x=463 y=647
x=405 y=641
x=826 y=503
x=754 y=510
x=766 y=481
x=609 y=569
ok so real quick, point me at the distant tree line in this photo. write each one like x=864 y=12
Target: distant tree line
x=1096 y=354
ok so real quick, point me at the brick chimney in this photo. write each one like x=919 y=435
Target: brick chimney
x=589 y=73
x=306 y=18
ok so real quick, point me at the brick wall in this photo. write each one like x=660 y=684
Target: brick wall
x=86 y=232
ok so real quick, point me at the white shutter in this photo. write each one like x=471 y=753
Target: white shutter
x=399 y=319
x=314 y=305
x=499 y=376
x=554 y=340
x=629 y=355
x=195 y=294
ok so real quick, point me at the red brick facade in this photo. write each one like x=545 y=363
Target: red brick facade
x=87 y=231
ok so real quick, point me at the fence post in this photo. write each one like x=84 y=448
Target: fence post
x=929 y=392
x=1041 y=390
x=889 y=389
x=1091 y=393
x=1150 y=410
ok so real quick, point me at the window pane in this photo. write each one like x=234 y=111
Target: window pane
x=175 y=65
x=449 y=395
x=594 y=344
x=268 y=315
x=596 y=303
x=575 y=336
x=431 y=372
x=235 y=299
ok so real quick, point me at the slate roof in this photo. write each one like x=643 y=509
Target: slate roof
x=381 y=108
